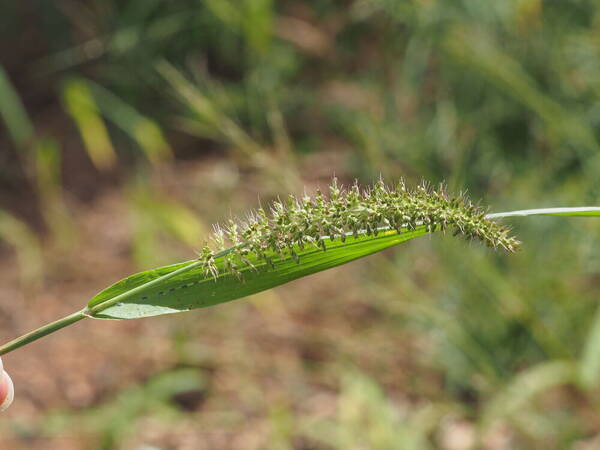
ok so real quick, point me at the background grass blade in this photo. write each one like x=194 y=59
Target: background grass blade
x=82 y=107
x=589 y=364
x=12 y=111
x=27 y=246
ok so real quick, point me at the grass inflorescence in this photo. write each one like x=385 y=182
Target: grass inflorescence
x=297 y=222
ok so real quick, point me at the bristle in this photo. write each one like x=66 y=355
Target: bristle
x=296 y=223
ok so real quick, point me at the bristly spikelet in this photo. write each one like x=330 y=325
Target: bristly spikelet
x=295 y=223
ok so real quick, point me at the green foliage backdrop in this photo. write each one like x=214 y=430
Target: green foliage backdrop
x=128 y=126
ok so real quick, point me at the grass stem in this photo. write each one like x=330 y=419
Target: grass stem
x=41 y=332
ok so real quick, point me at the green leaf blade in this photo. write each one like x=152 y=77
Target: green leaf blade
x=193 y=289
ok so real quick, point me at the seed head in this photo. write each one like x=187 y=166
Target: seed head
x=296 y=223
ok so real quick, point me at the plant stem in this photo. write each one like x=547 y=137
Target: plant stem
x=41 y=332
x=577 y=211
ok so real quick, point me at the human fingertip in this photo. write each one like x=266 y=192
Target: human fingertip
x=7 y=391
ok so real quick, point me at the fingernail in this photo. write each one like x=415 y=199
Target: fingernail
x=7 y=390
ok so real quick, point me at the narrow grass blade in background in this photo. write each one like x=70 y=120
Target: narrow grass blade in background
x=140 y=128
x=253 y=19
x=13 y=112
x=48 y=179
x=80 y=104
x=589 y=364
x=211 y=120
x=209 y=112
x=27 y=247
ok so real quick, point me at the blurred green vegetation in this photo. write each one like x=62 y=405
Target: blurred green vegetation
x=189 y=111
